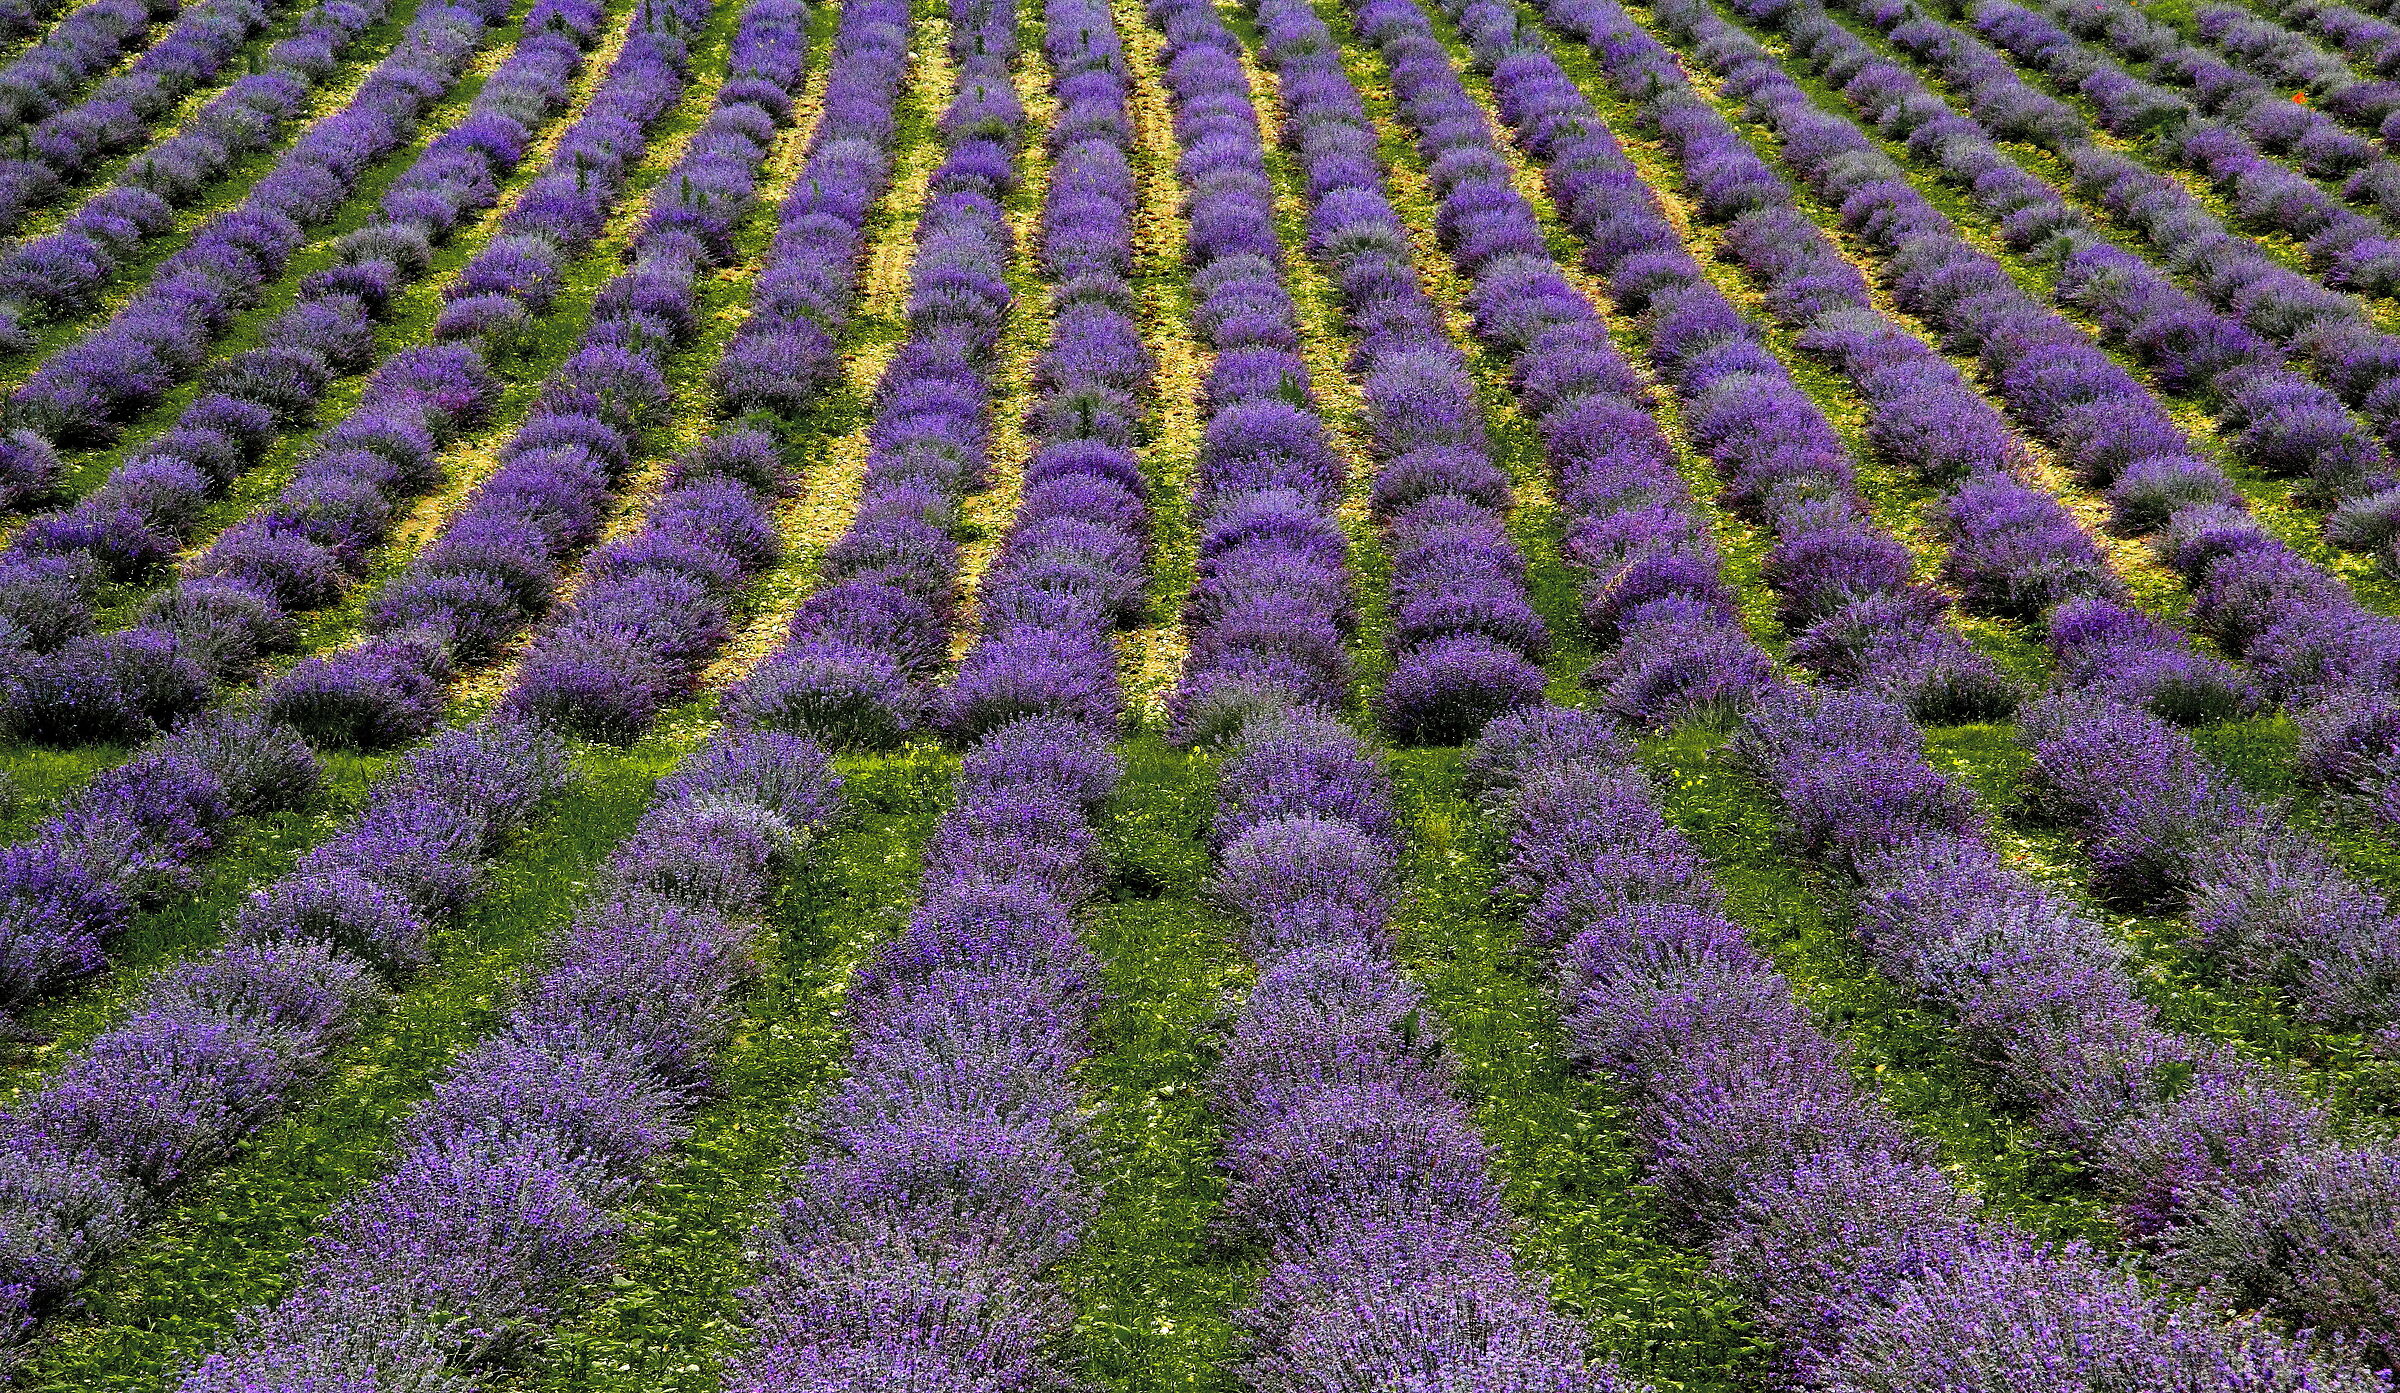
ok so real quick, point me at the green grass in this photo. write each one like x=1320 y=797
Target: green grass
x=38 y=775
x=1152 y=1294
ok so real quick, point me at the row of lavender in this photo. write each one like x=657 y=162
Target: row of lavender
x=919 y=1242
x=497 y=565
x=1353 y=1161
x=2230 y=1153
x=1073 y=565
x=941 y=1183
x=86 y=392
x=942 y=1187
x=2278 y=424
x=1462 y=623
x=229 y=1041
x=1270 y=609
x=1868 y=1264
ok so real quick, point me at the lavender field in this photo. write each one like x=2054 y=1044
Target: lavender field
x=1140 y=696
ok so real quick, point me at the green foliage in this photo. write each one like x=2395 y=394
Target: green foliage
x=1152 y=1294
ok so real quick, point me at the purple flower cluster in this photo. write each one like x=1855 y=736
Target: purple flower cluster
x=90 y=389
x=2309 y=137
x=498 y=1207
x=2277 y=419
x=2346 y=248
x=19 y=18
x=218 y=1045
x=1846 y=585
x=1354 y=1162
x=1465 y=635
x=654 y=606
x=919 y=1244
x=1653 y=588
x=129 y=838
x=1269 y=615
x=1852 y=1248
x=2349 y=251
x=782 y=356
x=2192 y=1142
x=854 y=670
x=497 y=564
x=2295 y=59
x=64 y=146
x=1077 y=553
x=2173 y=330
